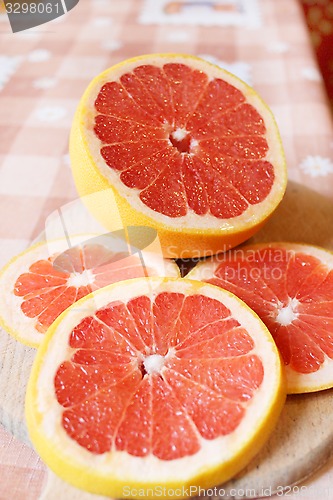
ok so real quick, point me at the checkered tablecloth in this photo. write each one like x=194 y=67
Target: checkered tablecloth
x=43 y=72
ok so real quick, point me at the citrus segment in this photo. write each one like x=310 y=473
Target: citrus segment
x=39 y=284
x=184 y=146
x=127 y=389
x=290 y=287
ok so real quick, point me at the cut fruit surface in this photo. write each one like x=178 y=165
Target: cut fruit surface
x=290 y=287
x=154 y=382
x=39 y=284
x=184 y=147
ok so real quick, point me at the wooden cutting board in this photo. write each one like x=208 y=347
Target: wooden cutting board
x=303 y=439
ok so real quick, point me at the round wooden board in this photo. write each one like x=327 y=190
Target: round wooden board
x=303 y=438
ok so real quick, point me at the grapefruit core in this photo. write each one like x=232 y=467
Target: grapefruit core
x=153 y=382
x=184 y=147
x=290 y=287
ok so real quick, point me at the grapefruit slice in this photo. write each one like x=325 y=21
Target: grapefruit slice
x=153 y=383
x=184 y=147
x=39 y=284
x=290 y=287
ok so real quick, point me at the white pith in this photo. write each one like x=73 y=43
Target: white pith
x=296 y=382
x=287 y=314
x=179 y=134
x=252 y=215
x=11 y=315
x=81 y=279
x=121 y=465
x=193 y=145
x=154 y=363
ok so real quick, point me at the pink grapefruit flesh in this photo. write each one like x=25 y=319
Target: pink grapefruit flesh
x=209 y=375
x=47 y=278
x=47 y=291
x=195 y=146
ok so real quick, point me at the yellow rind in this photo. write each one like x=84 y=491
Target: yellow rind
x=176 y=242
x=17 y=336
x=3 y=324
x=107 y=485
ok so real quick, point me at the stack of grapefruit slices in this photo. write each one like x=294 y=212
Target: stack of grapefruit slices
x=142 y=381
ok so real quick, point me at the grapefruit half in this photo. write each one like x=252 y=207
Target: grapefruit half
x=41 y=282
x=290 y=287
x=154 y=383
x=184 y=147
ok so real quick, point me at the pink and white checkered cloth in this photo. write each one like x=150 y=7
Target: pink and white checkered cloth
x=44 y=71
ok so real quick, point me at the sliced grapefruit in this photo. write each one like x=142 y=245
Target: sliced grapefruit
x=154 y=383
x=39 y=284
x=290 y=287
x=184 y=147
